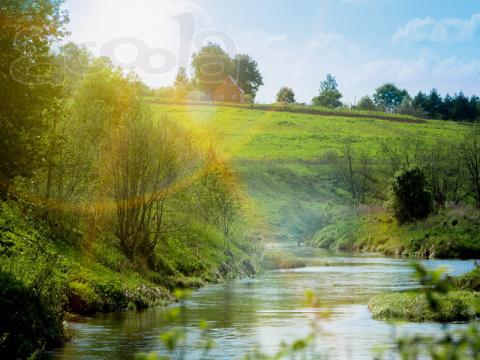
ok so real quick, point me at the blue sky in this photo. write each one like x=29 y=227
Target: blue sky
x=415 y=44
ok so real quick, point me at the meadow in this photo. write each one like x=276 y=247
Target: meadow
x=287 y=161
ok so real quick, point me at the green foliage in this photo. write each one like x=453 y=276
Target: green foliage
x=448 y=234
x=285 y=95
x=25 y=55
x=246 y=73
x=469 y=281
x=458 y=107
x=72 y=64
x=31 y=288
x=183 y=87
x=366 y=103
x=411 y=199
x=275 y=259
x=470 y=153
x=340 y=235
x=211 y=65
x=389 y=97
x=329 y=95
x=462 y=344
x=181 y=79
x=435 y=301
x=411 y=306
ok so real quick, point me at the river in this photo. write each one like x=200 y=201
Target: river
x=262 y=312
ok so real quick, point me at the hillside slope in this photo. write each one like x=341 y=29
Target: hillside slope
x=287 y=160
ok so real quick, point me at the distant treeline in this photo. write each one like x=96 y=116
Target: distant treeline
x=388 y=97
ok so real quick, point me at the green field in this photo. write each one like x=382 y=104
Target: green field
x=284 y=159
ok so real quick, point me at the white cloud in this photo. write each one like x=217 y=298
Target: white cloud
x=448 y=75
x=438 y=31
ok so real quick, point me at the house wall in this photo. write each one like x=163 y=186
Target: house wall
x=228 y=92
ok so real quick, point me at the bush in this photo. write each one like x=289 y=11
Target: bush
x=30 y=323
x=411 y=199
x=31 y=288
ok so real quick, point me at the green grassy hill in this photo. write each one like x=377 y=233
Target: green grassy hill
x=286 y=159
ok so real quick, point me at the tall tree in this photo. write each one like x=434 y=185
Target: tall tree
x=211 y=65
x=329 y=95
x=434 y=104
x=389 y=97
x=28 y=28
x=420 y=101
x=246 y=73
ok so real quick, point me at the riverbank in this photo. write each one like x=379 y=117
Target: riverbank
x=44 y=278
x=272 y=305
x=461 y=303
x=450 y=233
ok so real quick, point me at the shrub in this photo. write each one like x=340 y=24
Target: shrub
x=31 y=289
x=411 y=199
x=30 y=323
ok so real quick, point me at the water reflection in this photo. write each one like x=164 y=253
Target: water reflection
x=269 y=309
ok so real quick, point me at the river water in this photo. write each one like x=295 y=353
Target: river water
x=271 y=308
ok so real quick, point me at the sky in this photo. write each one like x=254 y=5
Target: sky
x=416 y=44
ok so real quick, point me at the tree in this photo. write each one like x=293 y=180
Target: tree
x=217 y=194
x=400 y=153
x=329 y=95
x=357 y=173
x=419 y=101
x=389 y=97
x=441 y=164
x=246 y=73
x=366 y=103
x=433 y=106
x=447 y=110
x=411 y=199
x=350 y=173
x=73 y=62
x=146 y=159
x=28 y=30
x=407 y=108
x=211 y=64
x=286 y=95
x=182 y=84
x=181 y=79
x=463 y=109
x=470 y=152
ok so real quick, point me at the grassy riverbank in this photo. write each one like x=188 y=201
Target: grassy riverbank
x=412 y=306
x=43 y=278
x=450 y=233
x=462 y=303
